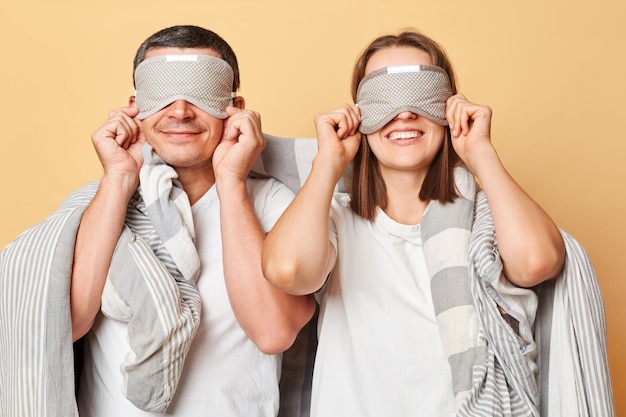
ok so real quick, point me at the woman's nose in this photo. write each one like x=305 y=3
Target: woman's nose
x=406 y=115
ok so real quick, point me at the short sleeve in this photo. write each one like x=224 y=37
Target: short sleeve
x=270 y=199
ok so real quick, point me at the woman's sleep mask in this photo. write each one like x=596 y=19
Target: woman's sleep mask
x=389 y=91
x=202 y=80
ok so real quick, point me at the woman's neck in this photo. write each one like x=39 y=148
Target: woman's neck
x=403 y=202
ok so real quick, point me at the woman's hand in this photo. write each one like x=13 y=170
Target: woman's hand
x=470 y=126
x=338 y=137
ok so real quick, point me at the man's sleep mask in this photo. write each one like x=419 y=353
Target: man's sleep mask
x=389 y=91
x=202 y=80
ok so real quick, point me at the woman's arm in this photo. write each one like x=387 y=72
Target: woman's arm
x=529 y=242
x=297 y=254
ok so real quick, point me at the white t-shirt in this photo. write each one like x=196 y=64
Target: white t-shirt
x=225 y=373
x=379 y=352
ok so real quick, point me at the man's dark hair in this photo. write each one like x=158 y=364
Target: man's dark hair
x=187 y=36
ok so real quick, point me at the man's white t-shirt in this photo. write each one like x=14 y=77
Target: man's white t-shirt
x=379 y=352
x=225 y=373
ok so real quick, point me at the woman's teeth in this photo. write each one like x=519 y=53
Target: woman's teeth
x=404 y=135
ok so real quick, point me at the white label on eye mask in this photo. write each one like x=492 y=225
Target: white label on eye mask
x=182 y=57
x=404 y=68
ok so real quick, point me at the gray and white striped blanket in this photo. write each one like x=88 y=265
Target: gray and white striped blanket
x=492 y=364
x=553 y=363
x=151 y=286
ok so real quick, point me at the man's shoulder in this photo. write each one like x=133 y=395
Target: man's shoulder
x=82 y=195
x=266 y=187
x=269 y=198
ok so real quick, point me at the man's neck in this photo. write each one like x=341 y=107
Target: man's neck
x=196 y=183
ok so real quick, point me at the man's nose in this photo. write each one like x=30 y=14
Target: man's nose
x=181 y=109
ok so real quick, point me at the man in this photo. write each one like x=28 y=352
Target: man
x=171 y=242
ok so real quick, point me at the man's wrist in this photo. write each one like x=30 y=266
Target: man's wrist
x=124 y=184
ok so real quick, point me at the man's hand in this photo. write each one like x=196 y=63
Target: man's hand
x=118 y=142
x=241 y=144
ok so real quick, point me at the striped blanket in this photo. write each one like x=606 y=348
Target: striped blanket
x=151 y=286
x=512 y=351
x=552 y=362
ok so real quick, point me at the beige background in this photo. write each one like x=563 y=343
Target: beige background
x=553 y=71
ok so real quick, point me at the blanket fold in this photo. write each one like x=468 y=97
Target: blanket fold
x=36 y=355
x=145 y=288
x=151 y=286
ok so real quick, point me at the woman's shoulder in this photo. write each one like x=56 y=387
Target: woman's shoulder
x=341 y=199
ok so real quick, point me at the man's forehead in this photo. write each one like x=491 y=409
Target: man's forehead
x=174 y=50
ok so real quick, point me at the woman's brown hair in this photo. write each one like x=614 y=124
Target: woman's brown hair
x=365 y=185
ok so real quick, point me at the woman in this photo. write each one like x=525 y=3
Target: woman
x=382 y=348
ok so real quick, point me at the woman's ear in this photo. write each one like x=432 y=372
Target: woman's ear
x=131 y=101
x=239 y=102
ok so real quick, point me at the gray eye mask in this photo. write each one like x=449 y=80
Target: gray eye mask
x=389 y=91
x=202 y=80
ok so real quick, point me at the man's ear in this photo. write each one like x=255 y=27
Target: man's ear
x=239 y=102
x=131 y=101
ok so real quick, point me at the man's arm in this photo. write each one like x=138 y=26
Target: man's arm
x=270 y=317
x=118 y=144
